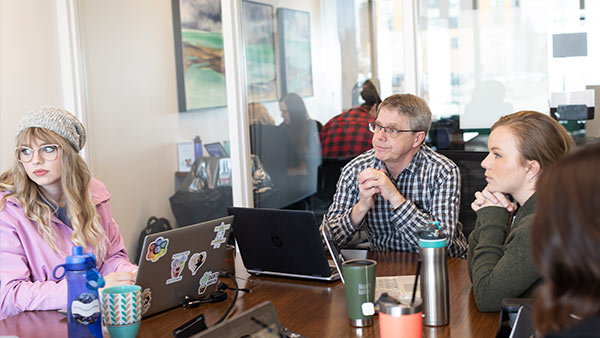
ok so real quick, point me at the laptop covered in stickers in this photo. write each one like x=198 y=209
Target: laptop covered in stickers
x=181 y=262
x=281 y=242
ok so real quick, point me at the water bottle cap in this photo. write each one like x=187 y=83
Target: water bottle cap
x=76 y=250
x=432 y=236
x=433 y=243
x=77 y=260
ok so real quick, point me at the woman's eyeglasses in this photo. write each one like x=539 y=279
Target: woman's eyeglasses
x=391 y=132
x=48 y=152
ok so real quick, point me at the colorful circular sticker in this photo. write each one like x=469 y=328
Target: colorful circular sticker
x=157 y=249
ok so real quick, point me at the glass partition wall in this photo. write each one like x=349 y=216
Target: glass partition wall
x=475 y=60
x=322 y=53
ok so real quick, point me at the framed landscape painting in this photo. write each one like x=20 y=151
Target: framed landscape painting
x=294 y=51
x=199 y=60
x=259 y=41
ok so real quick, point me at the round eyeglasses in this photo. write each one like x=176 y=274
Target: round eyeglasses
x=391 y=132
x=49 y=152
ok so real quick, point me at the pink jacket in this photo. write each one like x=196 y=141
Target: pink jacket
x=26 y=261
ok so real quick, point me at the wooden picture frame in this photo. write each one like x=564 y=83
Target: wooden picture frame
x=199 y=59
x=295 y=58
x=259 y=42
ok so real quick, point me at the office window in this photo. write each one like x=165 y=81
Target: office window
x=481 y=63
x=390 y=47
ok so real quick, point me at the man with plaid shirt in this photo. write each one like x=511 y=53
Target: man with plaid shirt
x=399 y=186
x=347 y=134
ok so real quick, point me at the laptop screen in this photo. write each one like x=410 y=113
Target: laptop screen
x=337 y=257
x=281 y=242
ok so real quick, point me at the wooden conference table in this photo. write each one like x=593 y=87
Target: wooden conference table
x=314 y=309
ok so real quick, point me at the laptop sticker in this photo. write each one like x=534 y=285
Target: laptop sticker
x=177 y=266
x=220 y=238
x=209 y=278
x=157 y=249
x=146 y=300
x=196 y=261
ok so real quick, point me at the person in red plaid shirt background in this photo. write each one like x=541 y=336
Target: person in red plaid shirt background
x=347 y=134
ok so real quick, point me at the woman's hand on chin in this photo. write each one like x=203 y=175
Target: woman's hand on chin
x=488 y=198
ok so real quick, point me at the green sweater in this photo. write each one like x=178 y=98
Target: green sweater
x=500 y=265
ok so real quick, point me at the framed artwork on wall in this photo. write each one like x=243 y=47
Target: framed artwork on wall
x=259 y=41
x=198 y=35
x=295 y=52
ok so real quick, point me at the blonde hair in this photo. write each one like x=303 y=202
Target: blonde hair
x=258 y=114
x=75 y=183
x=539 y=137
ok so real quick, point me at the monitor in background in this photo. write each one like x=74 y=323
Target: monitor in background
x=216 y=149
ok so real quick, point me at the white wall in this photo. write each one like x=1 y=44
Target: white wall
x=29 y=66
x=132 y=107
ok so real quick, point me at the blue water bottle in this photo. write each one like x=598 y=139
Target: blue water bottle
x=83 y=306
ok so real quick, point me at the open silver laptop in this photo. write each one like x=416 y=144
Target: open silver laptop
x=281 y=243
x=395 y=286
x=181 y=262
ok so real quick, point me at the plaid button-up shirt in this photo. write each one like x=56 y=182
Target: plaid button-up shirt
x=431 y=186
x=347 y=134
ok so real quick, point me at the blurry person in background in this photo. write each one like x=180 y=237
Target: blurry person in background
x=305 y=135
x=521 y=146
x=273 y=145
x=565 y=243
x=347 y=134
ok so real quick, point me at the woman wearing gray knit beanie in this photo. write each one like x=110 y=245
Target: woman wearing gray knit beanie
x=50 y=203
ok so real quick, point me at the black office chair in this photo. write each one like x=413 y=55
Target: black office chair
x=328 y=175
x=472 y=177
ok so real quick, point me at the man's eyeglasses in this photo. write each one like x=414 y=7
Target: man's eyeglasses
x=391 y=132
x=48 y=152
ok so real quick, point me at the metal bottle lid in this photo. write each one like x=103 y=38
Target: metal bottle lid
x=399 y=307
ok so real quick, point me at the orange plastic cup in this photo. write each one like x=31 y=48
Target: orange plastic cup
x=401 y=320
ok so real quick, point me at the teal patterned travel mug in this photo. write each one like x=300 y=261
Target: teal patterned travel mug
x=122 y=310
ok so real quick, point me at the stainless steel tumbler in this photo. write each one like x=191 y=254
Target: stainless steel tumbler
x=434 y=279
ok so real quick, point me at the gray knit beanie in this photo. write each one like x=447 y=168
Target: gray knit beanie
x=57 y=120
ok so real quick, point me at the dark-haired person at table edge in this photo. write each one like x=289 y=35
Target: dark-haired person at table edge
x=566 y=246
